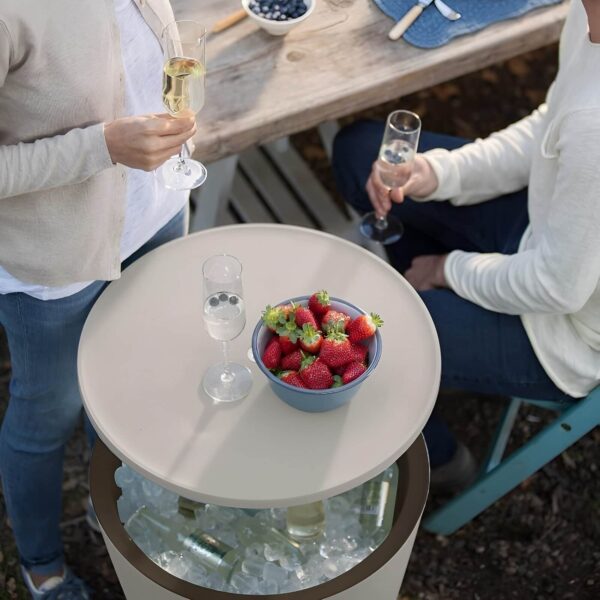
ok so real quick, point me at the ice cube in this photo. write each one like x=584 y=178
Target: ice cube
x=255 y=550
x=124 y=476
x=274 y=551
x=290 y=562
x=244 y=584
x=125 y=508
x=272 y=572
x=253 y=566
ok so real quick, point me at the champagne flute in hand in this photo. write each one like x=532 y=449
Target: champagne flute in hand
x=394 y=167
x=224 y=317
x=184 y=44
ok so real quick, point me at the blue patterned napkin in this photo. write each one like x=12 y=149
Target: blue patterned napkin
x=431 y=29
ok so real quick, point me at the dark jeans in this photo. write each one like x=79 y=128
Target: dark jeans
x=45 y=407
x=482 y=351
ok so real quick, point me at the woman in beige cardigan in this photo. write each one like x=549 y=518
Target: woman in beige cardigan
x=81 y=129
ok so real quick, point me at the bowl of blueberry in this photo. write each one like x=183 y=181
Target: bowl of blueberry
x=278 y=17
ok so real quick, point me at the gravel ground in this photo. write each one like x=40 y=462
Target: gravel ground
x=542 y=541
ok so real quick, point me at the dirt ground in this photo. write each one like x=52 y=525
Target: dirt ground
x=542 y=541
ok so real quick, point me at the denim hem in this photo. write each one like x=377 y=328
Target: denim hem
x=54 y=566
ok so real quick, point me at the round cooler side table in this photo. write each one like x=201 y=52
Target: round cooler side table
x=143 y=351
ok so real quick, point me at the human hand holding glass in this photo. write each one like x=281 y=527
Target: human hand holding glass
x=184 y=72
x=224 y=318
x=394 y=167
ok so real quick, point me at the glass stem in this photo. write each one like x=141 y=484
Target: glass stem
x=381 y=223
x=226 y=375
x=181 y=166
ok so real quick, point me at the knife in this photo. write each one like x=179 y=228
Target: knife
x=409 y=18
x=229 y=20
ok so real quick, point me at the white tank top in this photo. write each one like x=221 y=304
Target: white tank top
x=149 y=206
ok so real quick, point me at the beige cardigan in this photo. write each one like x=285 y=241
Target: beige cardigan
x=62 y=201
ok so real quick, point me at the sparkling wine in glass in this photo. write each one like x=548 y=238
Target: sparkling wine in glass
x=394 y=166
x=184 y=74
x=224 y=317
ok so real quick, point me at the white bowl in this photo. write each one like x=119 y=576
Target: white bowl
x=279 y=27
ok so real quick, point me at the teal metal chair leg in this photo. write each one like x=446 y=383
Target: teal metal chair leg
x=566 y=429
x=498 y=446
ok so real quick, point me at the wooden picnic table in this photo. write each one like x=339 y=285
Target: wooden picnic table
x=262 y=87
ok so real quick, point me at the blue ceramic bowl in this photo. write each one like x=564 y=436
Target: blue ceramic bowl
x=314 y=400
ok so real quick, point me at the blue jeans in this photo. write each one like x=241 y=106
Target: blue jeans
x=482 y=351
x=44 y=408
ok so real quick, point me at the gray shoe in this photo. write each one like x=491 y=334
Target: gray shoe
x=67 y=587
x=456 y=474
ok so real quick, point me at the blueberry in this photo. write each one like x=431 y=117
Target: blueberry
x=276 y=14
x=223 y=297
x=233 y=299
x=282 y=18
x=213 y=301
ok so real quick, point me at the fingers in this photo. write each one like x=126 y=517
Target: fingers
x=166 y=125
x=378 y=207
x=397 y=194
x=379 y=193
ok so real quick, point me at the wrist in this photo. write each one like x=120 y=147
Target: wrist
x=110 y=142
x=440 y=272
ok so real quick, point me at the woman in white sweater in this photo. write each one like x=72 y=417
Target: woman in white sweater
x=503 y=237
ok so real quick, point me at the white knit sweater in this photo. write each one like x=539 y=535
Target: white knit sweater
x=552 y=282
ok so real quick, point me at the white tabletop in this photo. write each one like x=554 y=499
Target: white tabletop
x=144 y=349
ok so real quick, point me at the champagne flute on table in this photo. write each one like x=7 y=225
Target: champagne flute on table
x=184 y=72
x=394 y=167
x=224 y=318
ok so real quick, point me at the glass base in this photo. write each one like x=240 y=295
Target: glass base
x=385 y=231
x=182 y=174
x=227 y=385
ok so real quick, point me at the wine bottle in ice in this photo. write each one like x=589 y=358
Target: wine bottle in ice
x=306 y=521
x=211 y=552
x=377 y=502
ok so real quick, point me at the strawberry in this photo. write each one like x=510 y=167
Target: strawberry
x=292 y=361
x=315 y=374
x=310 y=339
x=304 y=315
x=287 y=346
x=352 y=371
x=271 y=316
x=272 y=354
x=339 y=370
x=319 y=303
x=363 y=327
x=336 y=349
x=287 y=309
x=335 y=319
x=359 y=353
x=292 y=378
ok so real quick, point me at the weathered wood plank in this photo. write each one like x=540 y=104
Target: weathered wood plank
x=310 y=190
x=274 y=192
x=262 y=87
x=247 y=203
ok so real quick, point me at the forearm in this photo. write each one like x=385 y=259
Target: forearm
x=486 y=168
x=53 y=162
x=560 y=270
